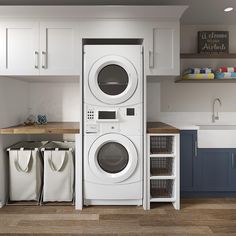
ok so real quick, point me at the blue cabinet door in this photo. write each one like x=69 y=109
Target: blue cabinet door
x=188 y=152
x=213 y=170
x=233 y=170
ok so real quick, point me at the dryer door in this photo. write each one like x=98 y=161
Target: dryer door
x=113 y=79
x=113 y=158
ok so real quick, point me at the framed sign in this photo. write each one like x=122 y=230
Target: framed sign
x=213 y=42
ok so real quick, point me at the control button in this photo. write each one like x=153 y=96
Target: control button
x=130 y=112
x=92 y=128
x=90 y=114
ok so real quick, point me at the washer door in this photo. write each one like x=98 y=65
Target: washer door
x=113 y=158
x=113 y=79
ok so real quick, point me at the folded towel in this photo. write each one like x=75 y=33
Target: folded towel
x=198 y=71
x=199 y=76
x=227 y=69
x=226 y=75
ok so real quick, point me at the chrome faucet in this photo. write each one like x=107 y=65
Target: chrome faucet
x=215 y=115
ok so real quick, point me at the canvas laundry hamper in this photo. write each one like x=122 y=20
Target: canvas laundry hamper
x=25 y=171
x=58 y=172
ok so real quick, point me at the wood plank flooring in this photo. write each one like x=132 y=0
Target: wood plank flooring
x=197 y=217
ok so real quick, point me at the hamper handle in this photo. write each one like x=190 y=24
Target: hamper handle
x=52 y=165
x=18 y=166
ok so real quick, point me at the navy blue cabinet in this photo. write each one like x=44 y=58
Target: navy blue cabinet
x=188 y=153
x=233 y=170
x=206 y=171
x=213 y=169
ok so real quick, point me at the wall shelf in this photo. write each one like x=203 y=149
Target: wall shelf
x=212 y=81
x=49 y=128
x=207 y=56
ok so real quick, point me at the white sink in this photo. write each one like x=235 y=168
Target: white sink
x=217 y=136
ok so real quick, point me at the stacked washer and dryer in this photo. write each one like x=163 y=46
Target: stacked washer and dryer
x=113 y=124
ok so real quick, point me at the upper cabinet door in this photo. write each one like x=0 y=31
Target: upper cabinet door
x=2 y=57
x=19 y=48
x=164 y=50
x=59 y=48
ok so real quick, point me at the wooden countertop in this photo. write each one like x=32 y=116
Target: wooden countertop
x=159 y=127
x=74 y=128
x=49 y=128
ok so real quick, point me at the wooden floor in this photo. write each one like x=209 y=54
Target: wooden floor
x=197 y=216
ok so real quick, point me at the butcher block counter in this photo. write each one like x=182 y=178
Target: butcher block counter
x=159 y=127
x=49 y=128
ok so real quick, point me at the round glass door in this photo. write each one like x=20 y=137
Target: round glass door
x=113 y=79
x=113 y=157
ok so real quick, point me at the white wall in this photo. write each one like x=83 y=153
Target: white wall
x=59 y=101
x=153 y=100
x=14 y=98
x=189 y=103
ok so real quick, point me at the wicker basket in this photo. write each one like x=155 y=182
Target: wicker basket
x=161 y=166
x=161 y=188
x=161 y=144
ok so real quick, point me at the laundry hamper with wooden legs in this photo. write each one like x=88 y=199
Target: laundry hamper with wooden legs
x=58 y=172
x=25 y=171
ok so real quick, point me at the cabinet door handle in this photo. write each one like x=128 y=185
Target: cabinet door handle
x=195 y=148
x=36 y=65
x=233 y=161
x=151 y=59
x=44 y=60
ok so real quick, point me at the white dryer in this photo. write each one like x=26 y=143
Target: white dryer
x=113 y=74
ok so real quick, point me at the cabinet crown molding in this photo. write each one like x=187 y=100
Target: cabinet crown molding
x=94 y=12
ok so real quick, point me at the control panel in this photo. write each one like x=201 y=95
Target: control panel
x=101 y=120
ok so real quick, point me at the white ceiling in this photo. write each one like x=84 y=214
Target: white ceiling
x=199 y=12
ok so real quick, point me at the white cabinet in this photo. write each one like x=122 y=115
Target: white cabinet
x=163 y=55
x=38 y=49
x=59 y=49
x=19 y=48
x=54 y=48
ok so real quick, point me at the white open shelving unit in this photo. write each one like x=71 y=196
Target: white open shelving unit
x=163 y=169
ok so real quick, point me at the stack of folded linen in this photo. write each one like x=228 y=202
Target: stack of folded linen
x=226 y=73
x=199 y=73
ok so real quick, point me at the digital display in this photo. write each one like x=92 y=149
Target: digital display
x=106 y=115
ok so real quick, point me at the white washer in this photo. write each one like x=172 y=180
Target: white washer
x=113 y=124
x=113 y=74
x=113 y=170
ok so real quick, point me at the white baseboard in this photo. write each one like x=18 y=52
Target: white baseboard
x=1 y=205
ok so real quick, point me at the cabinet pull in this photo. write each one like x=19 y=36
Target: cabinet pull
x=195 y=148
x=36 y=65
x=151 y=59
x=232 y=161
x=44 y=60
